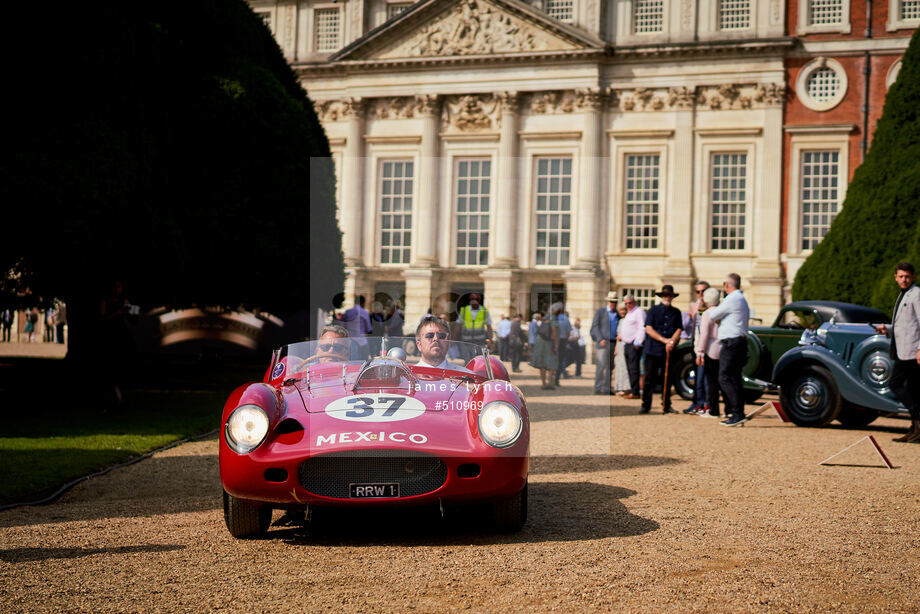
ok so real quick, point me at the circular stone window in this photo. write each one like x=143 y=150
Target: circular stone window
x=821 y=84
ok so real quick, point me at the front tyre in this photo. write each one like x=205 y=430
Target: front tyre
x=510 y=513
x=810 y=397
x=244 y=519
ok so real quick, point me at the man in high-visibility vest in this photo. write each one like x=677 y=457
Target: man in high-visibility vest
x=475 y=322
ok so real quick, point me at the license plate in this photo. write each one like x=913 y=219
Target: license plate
x=373 y=491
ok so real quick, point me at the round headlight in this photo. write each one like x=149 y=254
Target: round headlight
x=500 y=424
x=246 y=428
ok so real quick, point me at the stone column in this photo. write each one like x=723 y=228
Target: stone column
x=766 y=291
x=353 y=167
x=677 y=235
x=497 y=287
x=427 y=227
x=504 y=240
x=584 y=293
x=587 y=255
x=418 y=295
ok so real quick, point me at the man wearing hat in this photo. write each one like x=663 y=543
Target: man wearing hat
x=604 y=334
x=663 y=326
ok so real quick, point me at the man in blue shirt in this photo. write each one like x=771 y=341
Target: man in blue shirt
x=533 y=328
x=604 y=334
x=358 y=324
x=732 y=314
x=663 y=325
x=565 y=328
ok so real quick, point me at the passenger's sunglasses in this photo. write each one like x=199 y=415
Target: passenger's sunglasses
x=332 y=347
x=439 y=335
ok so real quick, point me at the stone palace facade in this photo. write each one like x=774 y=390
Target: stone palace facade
x=550 y=149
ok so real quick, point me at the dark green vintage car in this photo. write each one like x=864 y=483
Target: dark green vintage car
x=767 y=343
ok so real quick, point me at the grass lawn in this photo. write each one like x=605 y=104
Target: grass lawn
x=46 y=447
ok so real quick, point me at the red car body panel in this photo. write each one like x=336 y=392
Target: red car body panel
x=305 y=423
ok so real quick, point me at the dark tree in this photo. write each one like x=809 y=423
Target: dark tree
x=879 y=224
x=168 y=145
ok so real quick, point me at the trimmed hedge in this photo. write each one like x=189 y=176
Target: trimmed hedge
x=879 y=224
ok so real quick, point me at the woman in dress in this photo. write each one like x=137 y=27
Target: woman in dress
x=620 y=370
x=545 y=353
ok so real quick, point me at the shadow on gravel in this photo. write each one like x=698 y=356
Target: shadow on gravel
x=595 y=462
x=154 y=486
x=23 y=555
x=558 y=512
x=544 y=410
x=874 y=428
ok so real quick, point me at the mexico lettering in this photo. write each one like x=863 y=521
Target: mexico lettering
x=370 y=437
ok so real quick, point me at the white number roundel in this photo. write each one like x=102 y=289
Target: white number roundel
x=375 y=407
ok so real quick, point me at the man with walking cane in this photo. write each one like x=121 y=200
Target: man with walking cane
x=663 y=326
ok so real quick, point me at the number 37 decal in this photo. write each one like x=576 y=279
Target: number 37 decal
x=372 y=407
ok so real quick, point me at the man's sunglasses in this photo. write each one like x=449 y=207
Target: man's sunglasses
x=332 y=347
x=439 y=335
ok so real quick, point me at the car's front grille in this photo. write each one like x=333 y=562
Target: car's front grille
x=328 y=475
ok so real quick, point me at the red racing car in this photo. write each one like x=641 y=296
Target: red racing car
x=343 y=422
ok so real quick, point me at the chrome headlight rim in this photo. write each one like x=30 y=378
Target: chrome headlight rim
x=509 y=441
x=254 y=442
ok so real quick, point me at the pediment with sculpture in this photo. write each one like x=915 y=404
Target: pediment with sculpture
x=471 y=28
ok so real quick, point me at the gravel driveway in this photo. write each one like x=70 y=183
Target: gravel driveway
x=627 y=513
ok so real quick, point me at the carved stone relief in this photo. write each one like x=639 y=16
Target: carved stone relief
x=393 y=108
x=589 y=99
x=545 y=103
x=475 y=27
x=770 y=94
x=681 y=97
x=641 y=99
x=509 y=102
x=715 y=97
x=483 y=112
x=338 y=110
x=471 y=113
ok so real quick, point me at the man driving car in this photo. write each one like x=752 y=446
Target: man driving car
x=333 y=345
x=431 y=338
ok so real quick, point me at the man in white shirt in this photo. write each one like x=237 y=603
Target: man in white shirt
x=503 y=330
x=632 y=333
x=732 y=314
x=432 y=341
